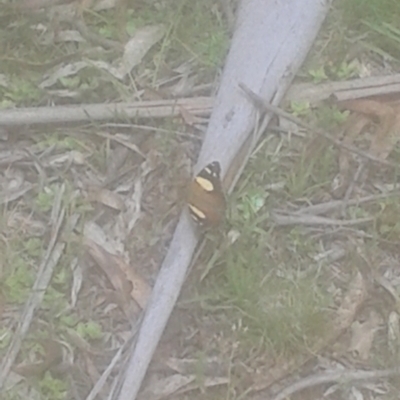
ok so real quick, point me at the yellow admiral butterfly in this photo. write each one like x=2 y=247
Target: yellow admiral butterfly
x=206 y=199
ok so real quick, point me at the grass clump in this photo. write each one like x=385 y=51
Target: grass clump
x=377 y=18
x=276 y=300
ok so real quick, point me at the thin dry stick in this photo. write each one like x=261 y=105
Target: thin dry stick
x=198 y=106
x=345 y=90
x=50 y=260
x=350 y=189
x=313 y=220
x=334 y=376
x=122 y=142
x=323 y=208
x=267 y=107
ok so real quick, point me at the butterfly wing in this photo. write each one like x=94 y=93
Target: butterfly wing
x=206 y=197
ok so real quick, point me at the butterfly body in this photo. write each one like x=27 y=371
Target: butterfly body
x=206 y=199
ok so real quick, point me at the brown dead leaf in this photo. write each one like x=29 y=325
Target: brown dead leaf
x=140 y=289
x=95 y=233
x=362 y=335
x=115 y=161
x=91 y=369
x=31 y=370
x=353 y=128
x=153 y=160
x=108 y=264
x=106 y=197
x=122 y=276
x=354 y=298
x=52 y=355
x=383 y=143
x=385 y=137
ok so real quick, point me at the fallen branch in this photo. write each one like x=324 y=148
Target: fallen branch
x=271 y=39
x=347 y=90
x=313 y=220
x=332 y=205
x=103 y=112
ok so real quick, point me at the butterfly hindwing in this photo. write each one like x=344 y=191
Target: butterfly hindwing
x=206 y=197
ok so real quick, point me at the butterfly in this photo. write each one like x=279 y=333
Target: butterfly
x=206 y=199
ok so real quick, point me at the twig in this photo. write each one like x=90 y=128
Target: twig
x=347 y=90
x=350 y=189
x=323 y=208
x=103 y=112
x=50 y=260
x=121 y=141
x=263 y=105
x=345 y=376
x=304 y=219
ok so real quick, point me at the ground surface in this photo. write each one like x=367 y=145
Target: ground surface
x=285 y=289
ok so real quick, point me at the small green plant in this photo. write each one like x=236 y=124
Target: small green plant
x=54 y=300
x=298 y=180
x=33 y=247
x=387 y=224
x=52 y=388
x=68 y=321
x=300 y=108
x=318 y=75
x=22 y=91
x=329 y=117
x=250 y=203
x=107 y=31
x=45 y=199
x=131 y=24
x=19 y=280
x=89 y=330
x=344 y=70
x=70 y=82
x=61 y=142
x=61 y=278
